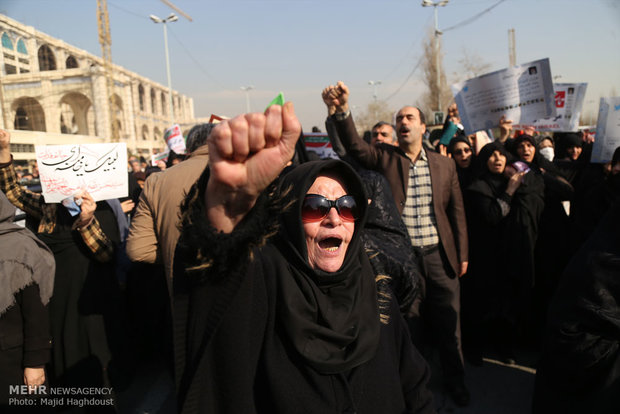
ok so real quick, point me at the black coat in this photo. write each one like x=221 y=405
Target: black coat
x=236 y=354
x=25 y=339
x=502 y=247
x=579 y=370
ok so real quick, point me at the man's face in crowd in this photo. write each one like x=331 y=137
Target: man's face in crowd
x=574 y=152
x=526 y=151
x=383 y=133
x=409 y=128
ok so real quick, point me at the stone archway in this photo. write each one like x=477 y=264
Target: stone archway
x=74 y=113
x=117 y=107
x=28 y=114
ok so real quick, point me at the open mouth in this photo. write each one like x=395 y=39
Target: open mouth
x=330 y=244
x=404 y=130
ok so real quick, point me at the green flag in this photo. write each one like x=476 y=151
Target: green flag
x=278 y=100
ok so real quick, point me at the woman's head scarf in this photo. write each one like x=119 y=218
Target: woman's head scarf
x=24 y=259
x=331 y=318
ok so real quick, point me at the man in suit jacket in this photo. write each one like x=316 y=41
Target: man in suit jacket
x=426 y=191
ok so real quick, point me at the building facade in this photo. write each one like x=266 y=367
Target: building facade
x=54 y=93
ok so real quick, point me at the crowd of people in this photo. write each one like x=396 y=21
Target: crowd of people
x=267 y=280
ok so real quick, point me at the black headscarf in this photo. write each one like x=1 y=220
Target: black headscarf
x=331 y=318
x=465 y=175
x=538 y=162
x=497 y=182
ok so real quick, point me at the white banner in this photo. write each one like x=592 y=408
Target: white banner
x=523 y=93
x=607 y=130
x=100 y=169
x=568 y=104
x=174 y=139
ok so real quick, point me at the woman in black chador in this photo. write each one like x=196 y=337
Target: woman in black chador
x=503 y=207
x=284 y=311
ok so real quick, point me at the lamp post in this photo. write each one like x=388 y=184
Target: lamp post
x=247 y=90
x=442 y=3
x=374 y=85
x=171 y=18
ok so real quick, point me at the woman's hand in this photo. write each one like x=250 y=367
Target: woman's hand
x=5 y=146
x=246 y=154
x=514 y=183
x=505 y=128
x=33 y=377
x=88 y=207
x=127 y=206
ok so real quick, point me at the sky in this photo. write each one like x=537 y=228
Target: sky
x=298 y=47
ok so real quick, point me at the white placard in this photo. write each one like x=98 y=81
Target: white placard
x=523 y=93
x=174 y=139
x=568 y=104
x=100 y=169
x=607 y=130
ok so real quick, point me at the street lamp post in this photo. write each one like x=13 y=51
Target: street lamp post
x=442 y=3
x=171 y=18
x=247 y=90
x=374 y=85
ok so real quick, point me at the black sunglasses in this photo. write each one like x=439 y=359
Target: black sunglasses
x=316 y=207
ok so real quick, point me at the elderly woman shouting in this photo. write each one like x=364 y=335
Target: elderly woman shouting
x=276 y=303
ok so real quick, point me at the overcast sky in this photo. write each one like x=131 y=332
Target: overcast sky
x=300 y=46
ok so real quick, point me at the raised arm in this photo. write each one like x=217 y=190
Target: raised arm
x=246 y=154
x=32 y=203
x=337 y=96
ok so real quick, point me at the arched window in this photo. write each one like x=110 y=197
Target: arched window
x=6 y=41
x=47 y=61
x=117 y=107
x=21 y=47
x=163 y=104
x=141 y=96
x=145 y=133
x=153 y=101
x=29 y=114
x=71 y=62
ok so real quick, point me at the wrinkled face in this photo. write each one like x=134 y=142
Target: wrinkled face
x=327 y=240
x=496 y=163
x=574 y=152
x=462 y=154
x=383 y=134
x=526 y=151
x=409 y=128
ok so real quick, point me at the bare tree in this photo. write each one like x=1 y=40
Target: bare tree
x=471 y=65
x=438 y=96
x=375 y=111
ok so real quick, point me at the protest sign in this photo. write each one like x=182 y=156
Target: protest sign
x=568 y=104
x=319 y=143
x=607 y=130
x=174 y=139
x=523 y=93
x=162 y=156
x=100 y=169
